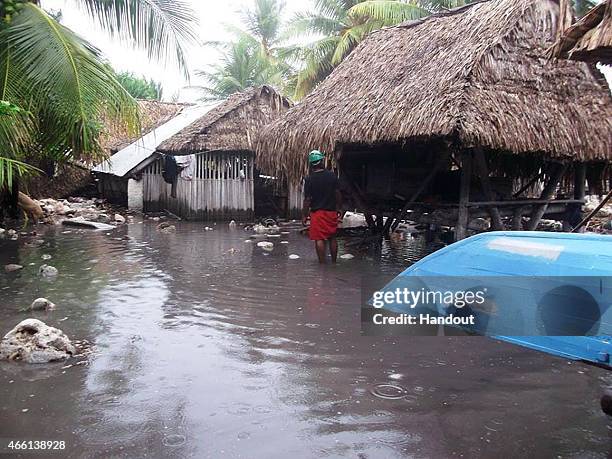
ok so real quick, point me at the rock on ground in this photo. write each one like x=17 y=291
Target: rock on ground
x=33 y=341
x=41 y=304
x=266 y=245
x=12 y=267
x=166 y=227
x=47 y=271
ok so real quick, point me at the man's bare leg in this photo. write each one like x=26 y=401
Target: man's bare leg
x=333 y=249
x=320 y=247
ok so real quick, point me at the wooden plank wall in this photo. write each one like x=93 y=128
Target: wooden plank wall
x=296 y=201
x=221 y=188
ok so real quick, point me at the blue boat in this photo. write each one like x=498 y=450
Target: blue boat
x=551 y=292
x=520 y=270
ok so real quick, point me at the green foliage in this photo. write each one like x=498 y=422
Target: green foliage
x=338 y=27
x=62 y=82
x=162 y=27
x=256 y=55
x=9 y=8
x=140 y=88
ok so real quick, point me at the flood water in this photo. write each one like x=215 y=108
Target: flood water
x=206 y=346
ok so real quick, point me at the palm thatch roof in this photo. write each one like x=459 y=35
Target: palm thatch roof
x=152 y=115
x=590 y=39
x=474 y=76
x=231 y=126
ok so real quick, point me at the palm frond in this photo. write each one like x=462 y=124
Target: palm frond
x=162 y=27
x=317 y=65
x=63 y=81
x=307 y=23
x=388 y=12
x=12 y=168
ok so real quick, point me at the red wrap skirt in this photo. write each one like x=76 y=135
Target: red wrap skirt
x=323 y=224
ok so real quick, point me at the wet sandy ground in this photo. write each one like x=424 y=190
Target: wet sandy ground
x=208 y=347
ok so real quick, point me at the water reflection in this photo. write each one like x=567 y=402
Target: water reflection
x=206 y=345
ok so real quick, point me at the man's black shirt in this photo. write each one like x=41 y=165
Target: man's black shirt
x=320 y=187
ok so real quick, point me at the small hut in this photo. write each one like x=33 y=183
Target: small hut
x=126 y=151
x=589 y=39
x=455 y=117
x=223 y=182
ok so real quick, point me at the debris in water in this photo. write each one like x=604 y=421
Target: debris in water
x=47 y=271
x=207 y=228
x=232 y=224
x=12 y=267
x=293 y=256
x=82 y=223
x=46 y=256
x=41 y=304
x=266 y=245
x=284 y=242
x=119 y=218
x=33 y=341
x=347 y=256
x=166 y=228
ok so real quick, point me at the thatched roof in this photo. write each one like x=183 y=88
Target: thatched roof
x=231 y=126
x=475 y=76
x=590 y=39
x=152 y=115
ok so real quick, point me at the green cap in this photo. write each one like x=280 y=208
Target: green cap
x=315 y=156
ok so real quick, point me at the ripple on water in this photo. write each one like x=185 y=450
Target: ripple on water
x=174 y=440
x=389 y=391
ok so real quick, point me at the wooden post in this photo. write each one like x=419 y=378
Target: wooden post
x=547 y=194
x=464 y=195
x=400 y=215
x=483 y=173
x=528 y=184
x=360 y=200
x=517 y=218
x=580 y=181
x=586 y=219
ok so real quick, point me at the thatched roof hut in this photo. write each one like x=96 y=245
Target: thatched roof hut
x=231 y=126
x=475 y=76
x=589 y=39
x=152 y=114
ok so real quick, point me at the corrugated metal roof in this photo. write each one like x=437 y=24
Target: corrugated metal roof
x=131 y=156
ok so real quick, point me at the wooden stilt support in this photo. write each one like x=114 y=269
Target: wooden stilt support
x=464 y=195
x=593 y=212
x=392 y=223
x=547 y=194
x=517 y=218
x=580 y=181
x=483 y=172
x=360 y=200
x=533 y=179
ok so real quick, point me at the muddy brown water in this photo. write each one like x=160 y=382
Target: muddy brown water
x=207 y=346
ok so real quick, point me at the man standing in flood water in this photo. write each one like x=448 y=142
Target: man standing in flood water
x=322 y=201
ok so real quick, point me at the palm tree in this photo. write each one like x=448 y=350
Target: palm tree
x=59 y=84
x=340 y=25
x=241 y=66
x=257 y=54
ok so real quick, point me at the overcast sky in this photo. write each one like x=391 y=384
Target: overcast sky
x=211 y=15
